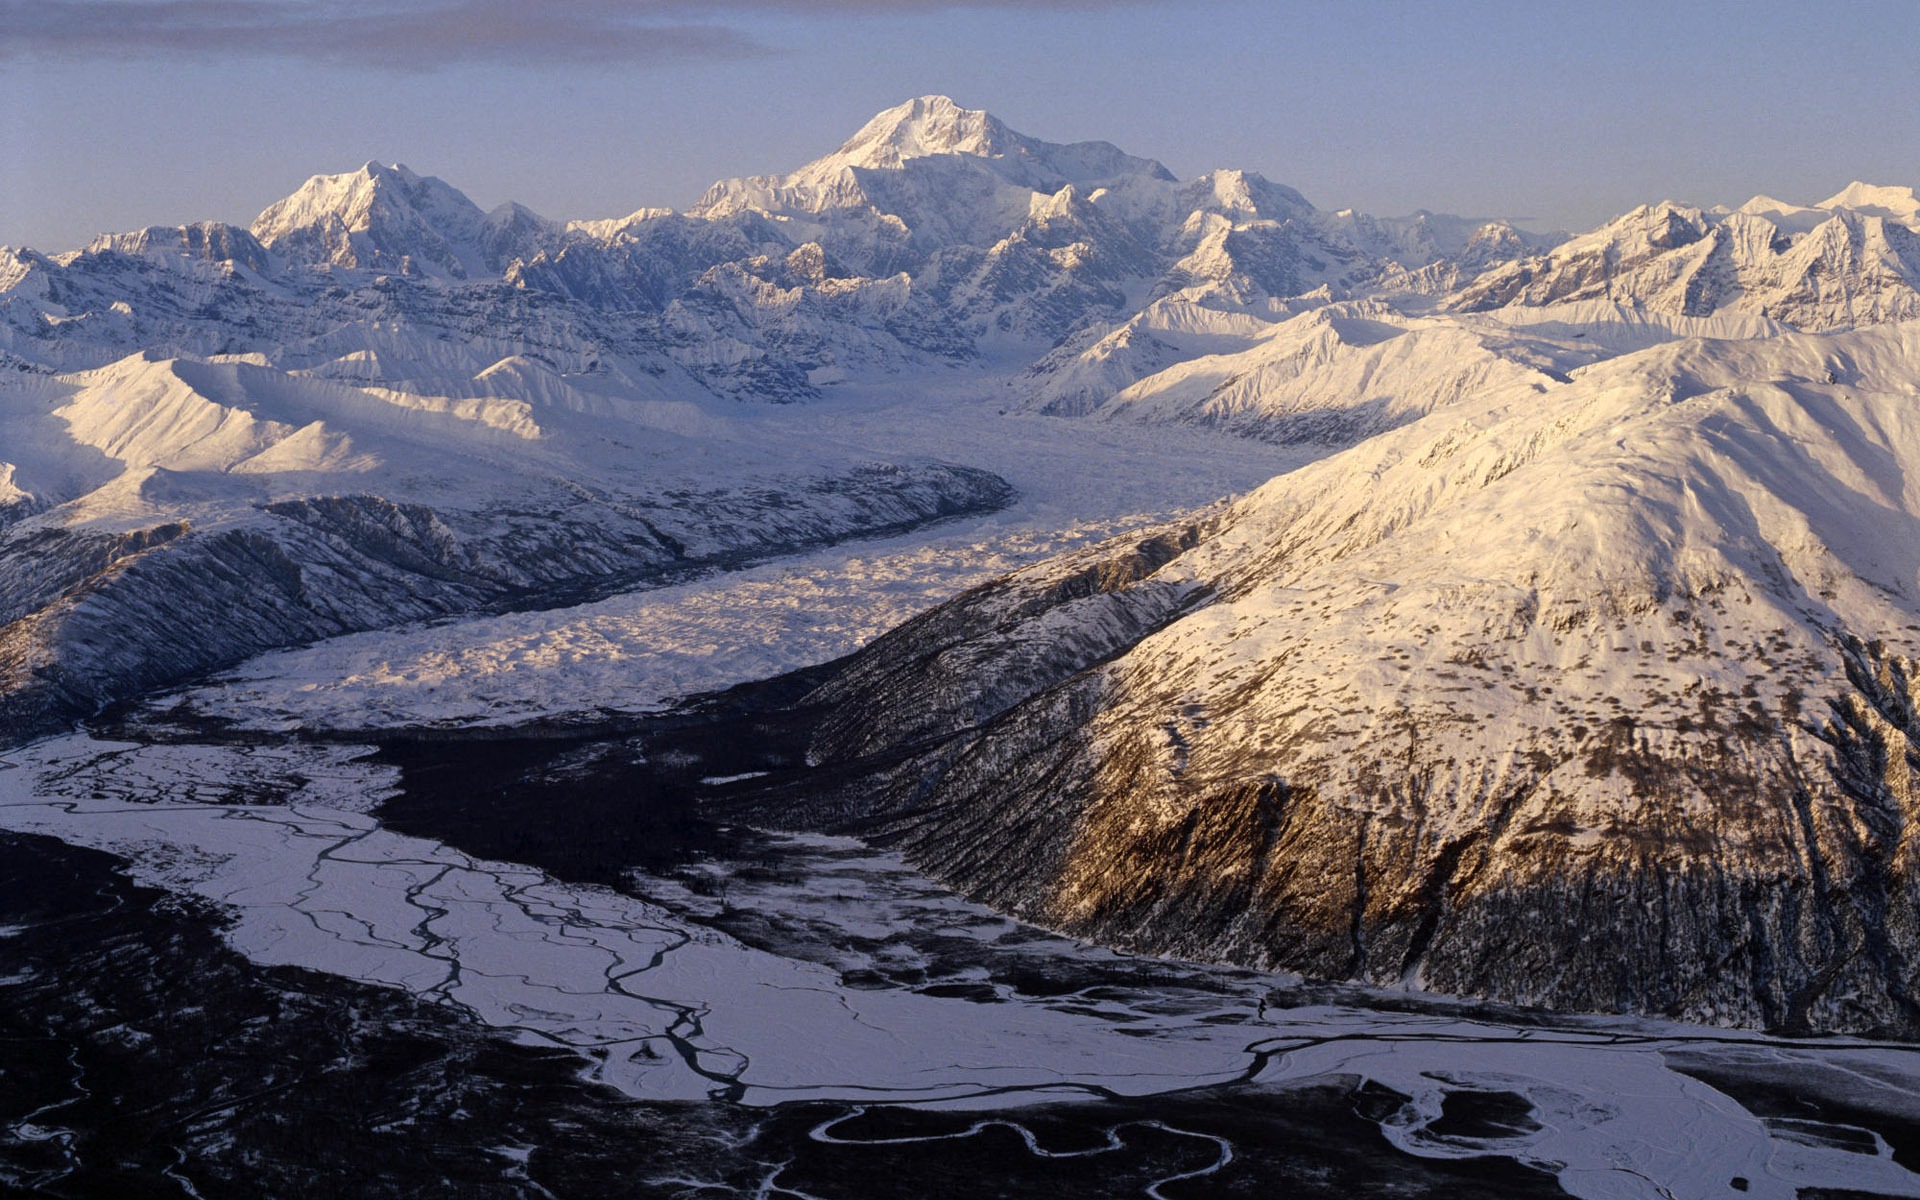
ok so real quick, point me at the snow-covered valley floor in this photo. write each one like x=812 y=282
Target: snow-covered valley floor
x=664 y=1007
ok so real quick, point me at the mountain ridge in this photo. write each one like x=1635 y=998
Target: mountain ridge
x=1585 y=597
x=941 y=227
x=1594 y=699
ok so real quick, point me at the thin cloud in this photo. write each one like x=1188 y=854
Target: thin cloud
x=391 y=34
x=363 y=32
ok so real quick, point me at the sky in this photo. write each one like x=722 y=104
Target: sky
x=116 y=114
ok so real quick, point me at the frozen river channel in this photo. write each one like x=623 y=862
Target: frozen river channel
x=763 y=974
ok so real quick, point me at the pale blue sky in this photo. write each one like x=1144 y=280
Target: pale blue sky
x=121 y=113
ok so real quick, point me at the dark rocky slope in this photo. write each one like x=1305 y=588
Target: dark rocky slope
x=1596 y=699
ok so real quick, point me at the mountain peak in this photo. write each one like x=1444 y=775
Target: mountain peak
x=376 y=217
x=1894 y=203
x=356 y=197
x=938 y=174
x=936 y=127
x=926 y=126
x=374 y=170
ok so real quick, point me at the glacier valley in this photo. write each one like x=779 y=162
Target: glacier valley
x=973 y=664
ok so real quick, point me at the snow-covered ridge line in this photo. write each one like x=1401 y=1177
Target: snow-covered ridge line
x=933 y=236
x=1592 y=694
x=281 y=508
x=378 y=379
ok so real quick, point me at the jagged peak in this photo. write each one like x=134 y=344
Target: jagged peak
x=373 y=169
x=1765 y=205
x=514 y=215
x=1498 y=230
x=512 y=210
x=382 y=217
x=1665 y=222
x=213 y=241
x=1659 y=210
x=603 y=228
x=16 y=262
x=351 y=197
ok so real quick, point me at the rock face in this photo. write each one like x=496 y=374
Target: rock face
x=1592 y=697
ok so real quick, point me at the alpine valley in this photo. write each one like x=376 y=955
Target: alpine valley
x=973 y=667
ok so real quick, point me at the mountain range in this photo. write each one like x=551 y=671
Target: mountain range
x=1595 y=609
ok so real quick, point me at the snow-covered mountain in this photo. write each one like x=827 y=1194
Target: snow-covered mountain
x=935 y=244
x=932 y=236
x=1206 y=351
x=388 y=403
x=1851 y=260
x=929 y=175
x=1591 y=694
x=1598 y=600
x=386 y=218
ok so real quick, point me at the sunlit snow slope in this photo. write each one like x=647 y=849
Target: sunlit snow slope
x=1593 y=694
